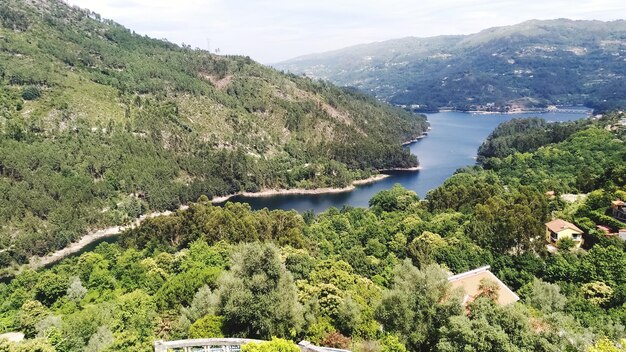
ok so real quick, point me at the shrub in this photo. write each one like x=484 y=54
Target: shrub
x=276 y=345
x=336 y=340
x=391 y=343
x=565 y=244
x=31 y=93
x=207 y=327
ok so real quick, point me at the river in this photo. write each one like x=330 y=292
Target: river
x=452 y=143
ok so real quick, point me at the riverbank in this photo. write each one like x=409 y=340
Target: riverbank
x=91 y=237
x=416 y=139
x=407 y=169
x=103 y=234
x=411 y=141
x=520 y=111
x=301 y=191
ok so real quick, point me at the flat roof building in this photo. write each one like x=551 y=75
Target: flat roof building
x=470 y=283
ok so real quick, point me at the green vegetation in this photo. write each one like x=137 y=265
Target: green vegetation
x=99 y=125
x=588 y=158
x=529 y=65
x=526 y=135
x=276 y=345
x=334 y=279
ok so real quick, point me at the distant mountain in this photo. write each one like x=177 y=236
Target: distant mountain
x=99 y=124
x=531 y=64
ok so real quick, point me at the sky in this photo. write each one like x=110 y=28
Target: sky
x=271 y=31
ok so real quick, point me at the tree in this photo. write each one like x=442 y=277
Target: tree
x=206 y=327
x=102 y=339
x=31 y=313
x=565 y=244
x=49 y=288
x=597 y=292
x=417 y=305
x=204 y=303
x=75 y=290
x=335 y=291
x=489 y=327
x=391 y=343
x=605 y=345
x=35 y=345
x=544 y=296
x=510 y=223
x=396 y=198
x=134 y=321
x=475 y=335
x=423 y=247
x=181 y=289
x=257 y=296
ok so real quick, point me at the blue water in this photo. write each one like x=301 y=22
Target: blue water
x=452 y=143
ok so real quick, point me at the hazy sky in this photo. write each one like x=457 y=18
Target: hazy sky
x=274 y=30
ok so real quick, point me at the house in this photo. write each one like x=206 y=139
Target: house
x=605 y=230
x=470 y=283
x=559 y=229
x=619 y=209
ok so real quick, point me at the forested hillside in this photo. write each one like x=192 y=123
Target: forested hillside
x=529 y=65
x=336 y=278
x=99 y=124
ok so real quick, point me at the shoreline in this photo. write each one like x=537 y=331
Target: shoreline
x=37 y=262
x=573 y=110
x=416 y=139
x=301 y=191
x=406 y=169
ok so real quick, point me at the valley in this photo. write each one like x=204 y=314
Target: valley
x=450 y=193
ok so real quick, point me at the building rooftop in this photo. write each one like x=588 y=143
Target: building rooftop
x=469 y=282
x=559 y=225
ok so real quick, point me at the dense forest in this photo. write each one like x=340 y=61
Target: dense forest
x=529 y=65
x=365 y=279
x=99 y=125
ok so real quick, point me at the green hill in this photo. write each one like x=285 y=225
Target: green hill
x=532 y=64
x=99 y=124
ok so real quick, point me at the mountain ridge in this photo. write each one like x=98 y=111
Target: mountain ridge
x=510 y=66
